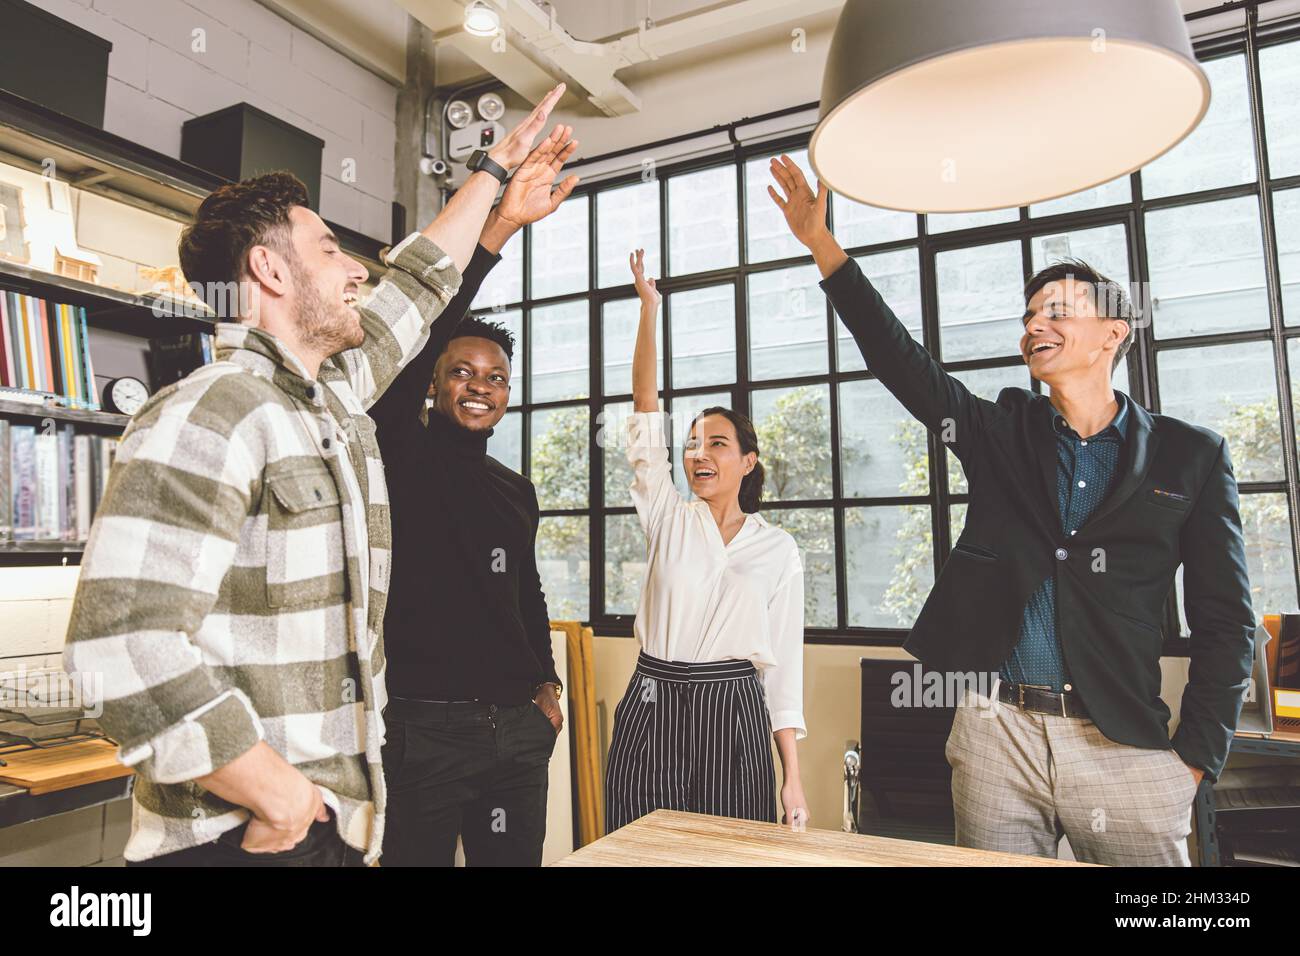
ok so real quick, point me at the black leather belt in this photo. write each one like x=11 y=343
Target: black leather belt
x=1036 y=700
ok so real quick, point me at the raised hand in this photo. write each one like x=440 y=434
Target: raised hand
x=529 y=196
x=515 y=145
x=804 y=213
x=645 y=288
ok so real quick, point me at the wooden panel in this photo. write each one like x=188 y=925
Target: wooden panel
x=43 y=770
x=672 y=838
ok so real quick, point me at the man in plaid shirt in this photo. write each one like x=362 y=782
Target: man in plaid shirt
x=232 y=590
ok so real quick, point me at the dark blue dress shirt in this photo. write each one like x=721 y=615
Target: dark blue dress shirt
x=1085 y=473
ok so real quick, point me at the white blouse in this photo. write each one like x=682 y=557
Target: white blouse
x=706 y=601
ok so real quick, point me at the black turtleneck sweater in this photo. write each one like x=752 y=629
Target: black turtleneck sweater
x=466 y=616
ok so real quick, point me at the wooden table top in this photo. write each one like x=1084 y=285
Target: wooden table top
x=673 y=838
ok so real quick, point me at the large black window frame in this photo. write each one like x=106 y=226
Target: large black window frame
x=1143 y=371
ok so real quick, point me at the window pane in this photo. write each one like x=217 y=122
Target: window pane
x=1286 y=213
x=1266 y=529
x=625 y=561
x=558 y=262
x=1107 y=194
x=1279 y=70
x=987 y=383
x=897 y=277
x=883 y=450
x=512 y=319
x=627 y=218
x=564 y=565
x=981 y=300
x=794 y=440
x=1207 y=268
x=890 y=564
x=684 y=410
x=1293 y=361
x=506 y=441
x=1230 y=389
x=613 y=442
x=505 y=283
x=702 y=222
x=937 y=222
x=619 y=321
x=1220 y=151
x=558 y=342
x=857 y=224
x=787 y=323
x=813 y=529
x=560 y=464
x=768 y=236
x=704 y=336
x=1104 y=248
x=956 y=521
x=1264 y=526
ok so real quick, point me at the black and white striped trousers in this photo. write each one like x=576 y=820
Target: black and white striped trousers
x=693 y=737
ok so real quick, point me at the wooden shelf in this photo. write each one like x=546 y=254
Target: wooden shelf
x=113 y=166
x=105 y=308
x=44 y=547
x=78 y=416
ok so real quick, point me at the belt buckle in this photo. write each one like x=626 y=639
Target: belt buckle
x=1063 y=713
x=1021 y=689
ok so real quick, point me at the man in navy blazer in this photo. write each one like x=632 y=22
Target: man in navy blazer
x=1083 y=505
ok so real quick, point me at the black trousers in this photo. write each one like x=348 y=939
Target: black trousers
x=322 y=846
x=469 y=769
x=693 y=737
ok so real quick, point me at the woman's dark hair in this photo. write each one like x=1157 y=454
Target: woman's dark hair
x=751 y=486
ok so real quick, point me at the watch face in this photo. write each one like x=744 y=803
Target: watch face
x=128 y=395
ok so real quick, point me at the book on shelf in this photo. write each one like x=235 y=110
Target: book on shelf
x=6 y=510
x=53 y=481
x=45 y=347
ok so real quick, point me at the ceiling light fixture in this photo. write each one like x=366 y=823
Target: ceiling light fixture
x=954 y=106
x=481 y=20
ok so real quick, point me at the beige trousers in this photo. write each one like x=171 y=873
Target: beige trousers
x=1020 y=781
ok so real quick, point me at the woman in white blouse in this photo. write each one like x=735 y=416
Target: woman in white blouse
x=720 y=623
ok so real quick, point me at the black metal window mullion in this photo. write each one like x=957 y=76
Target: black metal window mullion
x=1273 y=283
x=1143 y=366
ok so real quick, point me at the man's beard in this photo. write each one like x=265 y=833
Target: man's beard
x=323 y=327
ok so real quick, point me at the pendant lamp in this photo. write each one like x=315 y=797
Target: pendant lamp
x=967 y=105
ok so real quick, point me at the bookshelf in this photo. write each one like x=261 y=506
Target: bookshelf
x=107 y=178
x=77 y=416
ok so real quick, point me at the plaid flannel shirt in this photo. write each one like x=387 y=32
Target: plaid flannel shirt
x=233 y=586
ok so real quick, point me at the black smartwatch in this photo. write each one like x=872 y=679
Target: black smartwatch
x=479 y=161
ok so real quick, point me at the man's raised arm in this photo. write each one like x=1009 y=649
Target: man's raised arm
x=936 y=399
x=425 y=268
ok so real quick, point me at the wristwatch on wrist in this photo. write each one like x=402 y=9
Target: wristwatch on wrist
x=559 y=688
x=480 y=161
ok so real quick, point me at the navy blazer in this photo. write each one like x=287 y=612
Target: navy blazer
x=1174 y=501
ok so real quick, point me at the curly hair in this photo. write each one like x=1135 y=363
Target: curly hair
x=473 y=327
x=232 y=220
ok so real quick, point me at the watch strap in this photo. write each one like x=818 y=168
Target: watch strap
x=481 y=162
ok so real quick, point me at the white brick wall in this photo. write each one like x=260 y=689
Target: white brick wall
x=157 y=81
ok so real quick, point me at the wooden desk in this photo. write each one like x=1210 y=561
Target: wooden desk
x=673 y=838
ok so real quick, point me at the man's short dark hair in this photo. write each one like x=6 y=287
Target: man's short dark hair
x=472 y=327
x=233 y=219
x=1110 y=297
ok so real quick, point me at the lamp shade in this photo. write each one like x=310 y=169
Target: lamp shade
x=966 y=105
